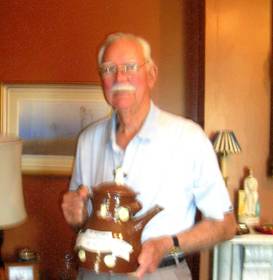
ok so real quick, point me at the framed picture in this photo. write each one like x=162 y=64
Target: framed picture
x=22 y=271
x=48 y=118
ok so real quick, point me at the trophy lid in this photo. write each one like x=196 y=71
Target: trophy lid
x=115 y=189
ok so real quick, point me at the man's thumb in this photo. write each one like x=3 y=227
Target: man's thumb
x=83 y=192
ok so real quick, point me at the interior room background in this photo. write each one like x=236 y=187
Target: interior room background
x=57 y=42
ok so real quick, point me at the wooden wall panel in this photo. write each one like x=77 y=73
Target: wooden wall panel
x=45 y=230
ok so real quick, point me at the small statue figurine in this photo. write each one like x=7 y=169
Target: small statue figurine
x=251 y=194
x=250 y=213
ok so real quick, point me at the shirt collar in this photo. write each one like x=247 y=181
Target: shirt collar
x=147 y=130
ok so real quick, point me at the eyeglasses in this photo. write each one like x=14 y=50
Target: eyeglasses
x=110 y=69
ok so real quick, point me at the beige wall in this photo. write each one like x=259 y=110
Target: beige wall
x=237 y=87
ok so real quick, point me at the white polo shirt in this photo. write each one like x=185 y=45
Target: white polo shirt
x=170 y=162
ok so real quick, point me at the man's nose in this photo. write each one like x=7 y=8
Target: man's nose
x=121 y=75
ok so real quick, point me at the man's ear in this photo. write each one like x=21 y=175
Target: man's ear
x=152 y=75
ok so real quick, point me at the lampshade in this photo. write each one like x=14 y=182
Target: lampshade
x=12 y=208
x=226 y=143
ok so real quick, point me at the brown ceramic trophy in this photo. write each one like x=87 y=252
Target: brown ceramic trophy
x=110 y=241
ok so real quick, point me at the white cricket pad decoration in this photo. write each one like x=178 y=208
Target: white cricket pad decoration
x=103 y=242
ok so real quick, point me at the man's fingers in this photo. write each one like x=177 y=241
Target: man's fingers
x=142 y=269
x=144 y=260
x=74 y=205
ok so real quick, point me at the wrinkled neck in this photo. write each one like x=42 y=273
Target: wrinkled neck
x=129 y=123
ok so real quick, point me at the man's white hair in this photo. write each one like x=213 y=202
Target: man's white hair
x=116 y=36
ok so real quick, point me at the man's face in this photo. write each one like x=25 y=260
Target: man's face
x=131 y=89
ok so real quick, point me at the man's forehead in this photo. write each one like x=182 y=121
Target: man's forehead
x=124 y=48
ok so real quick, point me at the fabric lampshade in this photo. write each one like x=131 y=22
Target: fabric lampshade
x=12 y=207
x=226 y=143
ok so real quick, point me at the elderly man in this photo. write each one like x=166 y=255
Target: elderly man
x=167 y=159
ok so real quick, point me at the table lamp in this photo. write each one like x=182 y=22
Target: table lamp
x=12 y=208
x=225 y=144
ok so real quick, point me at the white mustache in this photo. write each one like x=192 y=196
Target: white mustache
x=123 y=87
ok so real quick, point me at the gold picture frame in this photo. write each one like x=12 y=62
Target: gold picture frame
x=48 y=118
x=21 y=270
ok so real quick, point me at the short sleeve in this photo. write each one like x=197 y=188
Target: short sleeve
x=210 y=192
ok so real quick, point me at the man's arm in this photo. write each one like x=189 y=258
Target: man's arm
x=204 y=234
x=207 y=233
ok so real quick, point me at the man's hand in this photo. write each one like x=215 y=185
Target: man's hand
x=204 y=234
x=74 y=206
x=151 y=254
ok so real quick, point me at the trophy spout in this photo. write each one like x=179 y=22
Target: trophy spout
x=140 y=222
